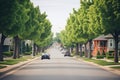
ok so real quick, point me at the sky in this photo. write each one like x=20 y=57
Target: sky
x=57 y=11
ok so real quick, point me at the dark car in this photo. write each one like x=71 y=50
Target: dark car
x=45 y=56
x=67 y=53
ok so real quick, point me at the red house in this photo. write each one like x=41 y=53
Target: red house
x=100 y=45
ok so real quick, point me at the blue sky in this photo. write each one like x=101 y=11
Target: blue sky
x=57 y=10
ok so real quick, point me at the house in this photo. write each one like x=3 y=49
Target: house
x=99 y=45
x=110 y=44
x=103 y=43
x=7 y=43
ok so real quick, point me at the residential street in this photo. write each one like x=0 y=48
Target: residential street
x=59 y=39
x=60 y=68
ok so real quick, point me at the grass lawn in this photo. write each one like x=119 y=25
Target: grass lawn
x=2 y=66
x=101 y=62
x=116 y=67
x=14 y=61
x=11 y=61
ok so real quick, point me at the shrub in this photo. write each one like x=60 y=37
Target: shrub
x=111 y=53
x=8 y=54
x=83 y=53
x=108 y=55
x=99 y=56
x=103 y=53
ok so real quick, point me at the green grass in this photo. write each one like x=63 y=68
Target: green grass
x=10 y=61
x=15 y=61
x=116 y=67
x=101 y=62
x=2 y=66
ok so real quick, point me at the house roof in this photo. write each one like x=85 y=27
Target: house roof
x=109 y=36
x=101 y=37
x=105 y=37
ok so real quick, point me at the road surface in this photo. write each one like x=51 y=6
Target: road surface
x=60 y=68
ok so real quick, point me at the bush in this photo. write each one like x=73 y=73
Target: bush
x=8 y=54
x=103 y=53
x=108 y=55
x=111 y=53
x=100 y=56
x=83 y=53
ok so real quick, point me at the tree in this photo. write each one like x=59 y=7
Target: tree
x=45 y=38
x=12 y=16
x=104 y=18
x=19 y=25
x=84 y=24
x=110 y=11
x=19 y=19
x=57 y=38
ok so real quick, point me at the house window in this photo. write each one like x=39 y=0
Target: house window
x=103 y=43
x=111 y=43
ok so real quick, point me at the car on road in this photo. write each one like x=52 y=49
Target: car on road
x=63 y=51
x=45 y=56
x=67 y=54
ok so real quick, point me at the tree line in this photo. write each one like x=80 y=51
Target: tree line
x=93 y=18
x=22 y=21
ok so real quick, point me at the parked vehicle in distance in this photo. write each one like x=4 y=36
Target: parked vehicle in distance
x=63 y=51
x=67 y=53
x=45 y=56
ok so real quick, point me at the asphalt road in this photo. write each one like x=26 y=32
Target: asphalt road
x=60 y=68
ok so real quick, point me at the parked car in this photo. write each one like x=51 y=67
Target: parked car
x=45 y=56
x=67 y=53
x=63 y=51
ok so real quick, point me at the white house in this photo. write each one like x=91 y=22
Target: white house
x=111 y=43
x=8 y=41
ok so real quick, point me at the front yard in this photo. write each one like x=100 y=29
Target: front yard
x=10 y=61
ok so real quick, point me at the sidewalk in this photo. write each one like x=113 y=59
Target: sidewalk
x=12 y=68
x=108 y=67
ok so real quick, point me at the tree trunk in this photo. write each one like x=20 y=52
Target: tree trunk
x=34 y=51
x=80 y=50
x=116 y=48
x=37 y=50
x=1 y=47
x=90 y=49
x=40 y=50
x=21 y=46
x=43 y=50
x=71 y=49
x=36 y=47
x=77 y=48
x=86 y=51
x=16 y=47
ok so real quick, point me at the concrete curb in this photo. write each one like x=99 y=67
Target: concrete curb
x=107 y=68
x=12 y=68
